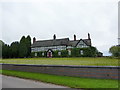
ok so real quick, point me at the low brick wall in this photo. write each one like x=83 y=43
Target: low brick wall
x=103 y=72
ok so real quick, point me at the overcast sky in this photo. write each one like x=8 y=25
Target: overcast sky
x=43 y=18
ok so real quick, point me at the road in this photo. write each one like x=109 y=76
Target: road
x=13 y=82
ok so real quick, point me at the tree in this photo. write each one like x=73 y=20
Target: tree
x=22 y=40
x=14 y=48
x=25 y=46
x=22 y=47
x=5 y=51
x=115 y=50
x=22 y=50
x=28 y=44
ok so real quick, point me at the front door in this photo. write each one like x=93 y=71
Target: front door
x=49 y=53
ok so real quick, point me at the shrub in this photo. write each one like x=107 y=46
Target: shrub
x=39 y=54
x=87 y=52
x=115 y=50
x=75 y=52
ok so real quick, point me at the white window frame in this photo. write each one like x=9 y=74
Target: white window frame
x=81 y=52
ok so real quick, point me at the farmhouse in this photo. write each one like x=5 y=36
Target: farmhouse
x=50 y=46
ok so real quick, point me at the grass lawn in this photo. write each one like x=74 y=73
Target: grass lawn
x=73 y=82
x=64 y=61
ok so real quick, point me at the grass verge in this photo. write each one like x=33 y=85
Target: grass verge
x=64 y=61
x=73 y=82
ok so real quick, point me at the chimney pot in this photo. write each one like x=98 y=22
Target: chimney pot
x=54 y=37
x=34 y=39
x=74 y=37
x=88 y=36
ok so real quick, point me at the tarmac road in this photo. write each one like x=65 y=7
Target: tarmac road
x=14 y=82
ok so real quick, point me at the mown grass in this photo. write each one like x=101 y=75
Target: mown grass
x=64 y=61
x=73 y=82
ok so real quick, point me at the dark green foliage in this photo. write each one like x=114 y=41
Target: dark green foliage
x=87 y=52
x=3 y=49
x=32 y=54
x=22 y=50
x=14 y=48
x=25 y=47
x=22 y=40
x=99 y=54
x=64 y=53
x=39 y=54
x=17 y=49
x=75 y=52
x=115 y=50
x=6 y=51
x=28 y=44
x=55 y=54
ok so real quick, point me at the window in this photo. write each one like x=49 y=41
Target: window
x=59 y=53
x=32 y=50
x=69 y=52
x=81 y=52
x=35 y=54
x=43 y=54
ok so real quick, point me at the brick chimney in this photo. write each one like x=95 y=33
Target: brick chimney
x=54 y=37
x=88 y=36
x=34 y=39
x=74 y=37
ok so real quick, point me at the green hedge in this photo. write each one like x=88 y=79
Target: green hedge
x=87 y=52
x=75 y=52
x=64 y=53
x=39 y=54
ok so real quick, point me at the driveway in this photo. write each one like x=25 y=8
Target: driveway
x=14 y=82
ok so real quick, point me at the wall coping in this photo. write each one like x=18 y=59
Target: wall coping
x=67 y=66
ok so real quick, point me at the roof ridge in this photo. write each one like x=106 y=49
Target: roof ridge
x=52 y=39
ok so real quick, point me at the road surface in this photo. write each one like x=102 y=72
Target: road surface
x=13 y=82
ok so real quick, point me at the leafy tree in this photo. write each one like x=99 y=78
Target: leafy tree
x=28 y=44
x=25 y=46
x=22 y=40
x=22 y=47
x=87 y=52
x=5 y=51
x=14 y=49
x=22 y=50
x=115 y=50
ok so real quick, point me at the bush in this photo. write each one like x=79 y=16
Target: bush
x=115 y=50
x=39 y=54
x=75 y=52
x=87 y=52
x=64 y=53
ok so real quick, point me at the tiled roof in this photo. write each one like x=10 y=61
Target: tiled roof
x=59 y=42
x=56 y=42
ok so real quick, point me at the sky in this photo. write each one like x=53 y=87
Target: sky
x=44 y=18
